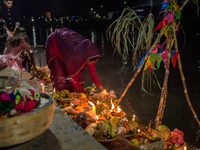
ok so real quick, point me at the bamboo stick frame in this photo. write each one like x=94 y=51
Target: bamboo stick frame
x=164 y=88
x=183 y=79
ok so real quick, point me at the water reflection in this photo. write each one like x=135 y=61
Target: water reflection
x=34 y=36
x=102 y=44
x=92 y=36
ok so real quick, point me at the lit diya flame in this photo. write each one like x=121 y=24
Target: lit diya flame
x=185 y=147
x=42 y=87
x=97 y=117
x=104 y=91
x=112 y=105
x=93 y=109
x=54 y=90
x=118 y=109
x=97 y=102
x=138 y=130
x=133 y=119
x=91 y=103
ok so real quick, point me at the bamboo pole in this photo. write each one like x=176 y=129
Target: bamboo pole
x=164 y=104
x=138 y=71
x=183 y=5
x=164 y=88
x=183 y=80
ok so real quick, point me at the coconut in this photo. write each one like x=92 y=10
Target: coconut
x=90 y=131
x=102 y=126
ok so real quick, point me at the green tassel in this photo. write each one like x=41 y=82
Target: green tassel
x=17 y=99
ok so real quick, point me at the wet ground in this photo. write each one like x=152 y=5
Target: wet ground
x=114 y=77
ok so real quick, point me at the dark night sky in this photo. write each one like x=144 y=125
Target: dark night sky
x=73 y=7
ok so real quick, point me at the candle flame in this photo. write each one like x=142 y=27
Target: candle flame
x=97 y=117
x=91 y=103
x=41 y=84
x=54 y=90
x=118 y=109
x=138 y=130
x=133 y=116
x=185 y=147
x=97 y=102
x=112 y=106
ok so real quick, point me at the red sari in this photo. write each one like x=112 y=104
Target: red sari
x=67 y=53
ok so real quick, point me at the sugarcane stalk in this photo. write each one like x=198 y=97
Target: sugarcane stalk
x=164 y=88
x=183 y=79
x=138 y=71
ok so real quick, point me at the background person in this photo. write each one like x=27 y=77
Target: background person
x=5 y=59
x=67 y=54
x=11 y=15
x=17 y=44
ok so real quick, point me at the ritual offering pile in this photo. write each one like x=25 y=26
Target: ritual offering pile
x=173 y=139
x=99 y=117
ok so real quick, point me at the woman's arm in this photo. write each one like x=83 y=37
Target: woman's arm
x=94 y=76
x=77 y=85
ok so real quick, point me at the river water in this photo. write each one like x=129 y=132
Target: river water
x=116 y=77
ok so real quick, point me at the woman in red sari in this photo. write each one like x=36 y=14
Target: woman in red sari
x=67 y=54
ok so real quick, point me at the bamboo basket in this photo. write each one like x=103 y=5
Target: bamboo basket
x=159 y=145
x=25 y=127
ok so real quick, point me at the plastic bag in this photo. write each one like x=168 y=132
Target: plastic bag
x=14 y=65
x=177 y=137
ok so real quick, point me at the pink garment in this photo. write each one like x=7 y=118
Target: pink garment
x=16 y=51
x=4 y=60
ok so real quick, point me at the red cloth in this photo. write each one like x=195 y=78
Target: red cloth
x=20 y=105
x=30 y=105
x=5 y=96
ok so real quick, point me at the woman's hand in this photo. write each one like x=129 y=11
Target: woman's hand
x=18 y=59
